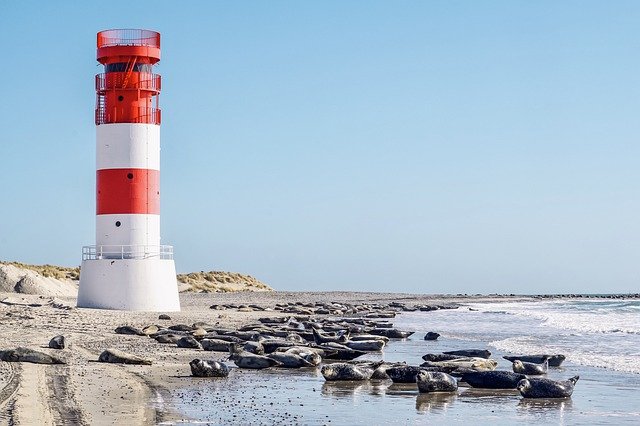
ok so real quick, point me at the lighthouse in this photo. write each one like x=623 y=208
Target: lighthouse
x=128 y=268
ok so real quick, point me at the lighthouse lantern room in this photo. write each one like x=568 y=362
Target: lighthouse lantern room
x=128 y=268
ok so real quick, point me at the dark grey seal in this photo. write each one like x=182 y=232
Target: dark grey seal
x=479 y=353
x=391 y=333
x=441 y=357
x=344 y=371
x=215 y=345
x=554 y=360
x=493 y=379
x=200 y=368
x=291 y=360
x=128 y=329
x=546 y=388
x=21 y=354
x=435 y=382
x=116 y=356
x=530 y=368
x=431 y=336
x=244 y=359
x=57 y=342
x=188 y=342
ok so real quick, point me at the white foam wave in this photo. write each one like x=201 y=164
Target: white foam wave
x=560 y=315
x=628 y=363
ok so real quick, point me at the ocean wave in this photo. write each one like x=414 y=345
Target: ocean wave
x=586 y=318
x=627 y=363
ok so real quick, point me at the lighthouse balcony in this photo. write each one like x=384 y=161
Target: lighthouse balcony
x=127 y=252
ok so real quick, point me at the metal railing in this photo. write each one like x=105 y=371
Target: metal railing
x=127 y=252
x=128 y=37
x=147 y=115
x=135 y=81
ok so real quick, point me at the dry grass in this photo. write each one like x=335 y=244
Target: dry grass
x=222 y=282
x=49 y=271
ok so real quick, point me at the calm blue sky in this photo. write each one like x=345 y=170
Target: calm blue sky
x=420 y=146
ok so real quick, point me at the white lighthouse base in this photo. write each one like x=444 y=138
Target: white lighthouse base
x=129 y=285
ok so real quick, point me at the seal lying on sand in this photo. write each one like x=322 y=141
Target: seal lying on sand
x=493 y=379
x=554 y=360
x=344 y=371
x=530 y=368
x=546 y=388
x=477 y=353
x=291 y=360
x=435 y=382
x=116 y=356
x=21 y=354
x=244 y=359
x=441 y=357
x=200 y=368
x=478 y=364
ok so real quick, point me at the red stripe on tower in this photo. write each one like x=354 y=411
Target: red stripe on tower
x=128 y=191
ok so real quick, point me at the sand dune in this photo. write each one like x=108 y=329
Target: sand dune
x=51 y=280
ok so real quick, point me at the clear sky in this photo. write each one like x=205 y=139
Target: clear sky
x=419 y=146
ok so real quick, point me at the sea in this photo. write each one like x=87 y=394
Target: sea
x=599 y=337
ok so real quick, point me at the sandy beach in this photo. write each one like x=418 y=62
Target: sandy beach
x=85 y=391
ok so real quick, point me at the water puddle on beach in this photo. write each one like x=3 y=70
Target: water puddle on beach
x=282 y=396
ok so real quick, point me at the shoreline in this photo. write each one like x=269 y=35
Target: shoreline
x=85 y=391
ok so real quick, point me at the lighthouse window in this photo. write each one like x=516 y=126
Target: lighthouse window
x=118 y=224
x=120 y=98
x=123 y=66
x=130 y=175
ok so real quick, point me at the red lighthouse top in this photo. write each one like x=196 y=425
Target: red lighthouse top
x=128 y=90
x=123 y=43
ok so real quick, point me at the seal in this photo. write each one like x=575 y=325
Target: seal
x=529 y=368
x=345 y=371
x=441 y=357
x=478 y=364
x=215 y=345
x=244 y=359
x=320 y=338
x=431 y=336
x=429 y=381
x=546 y=388
x=57 y=342
x=200 y=368
x=188 y=342
x=554 y=360
x=476 y=353
x=493 y=379
x=365 y=345
x=116 y=356
x=291 y=360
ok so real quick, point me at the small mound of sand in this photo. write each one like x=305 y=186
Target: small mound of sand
x=219 y=282
x=50 y=280
x=45 y=280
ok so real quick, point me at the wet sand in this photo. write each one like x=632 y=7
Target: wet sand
x=87 y=392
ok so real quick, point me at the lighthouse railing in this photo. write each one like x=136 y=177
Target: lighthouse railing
x=127 y=252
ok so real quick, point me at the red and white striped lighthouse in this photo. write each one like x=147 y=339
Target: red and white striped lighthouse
x=128 y=268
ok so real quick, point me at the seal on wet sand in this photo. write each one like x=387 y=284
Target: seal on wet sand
x=345 y=371
x=200 y=368
x=476 y=353
x=493 y=379
x=530 y=368
x=435 y=382
x=546 y=388
x=244 y=359
x=554 y=360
